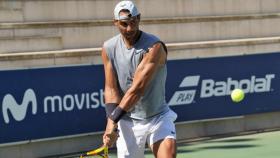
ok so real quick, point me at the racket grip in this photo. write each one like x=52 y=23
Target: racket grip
x=82 y=155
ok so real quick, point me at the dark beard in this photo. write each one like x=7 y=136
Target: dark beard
x=133 y=37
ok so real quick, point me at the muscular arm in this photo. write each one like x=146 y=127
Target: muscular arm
x=151 y=61
x=111 y=95
x=111 y=92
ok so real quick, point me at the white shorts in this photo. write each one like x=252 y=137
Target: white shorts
x=135 y=134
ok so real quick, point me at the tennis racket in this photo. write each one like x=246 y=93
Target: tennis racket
x=101 y=152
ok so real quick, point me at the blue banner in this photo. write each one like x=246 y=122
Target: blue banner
x=52 y=102
x=200 y=88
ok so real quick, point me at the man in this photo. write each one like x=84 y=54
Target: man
x=135 y=75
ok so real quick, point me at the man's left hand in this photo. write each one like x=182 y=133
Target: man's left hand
x=111 y=133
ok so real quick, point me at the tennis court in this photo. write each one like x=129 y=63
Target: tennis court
x=246 y=145
x=254 y=145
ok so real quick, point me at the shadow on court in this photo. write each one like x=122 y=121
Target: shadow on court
x=234 y=140
x=231 y=146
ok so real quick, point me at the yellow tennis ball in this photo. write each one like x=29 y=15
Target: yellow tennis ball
x=237 y=95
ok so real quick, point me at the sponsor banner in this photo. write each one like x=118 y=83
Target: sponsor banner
x=200 y=88
x=63 y=101
x=51 y=102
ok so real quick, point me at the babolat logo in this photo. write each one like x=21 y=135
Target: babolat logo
x=18 y=111
x=213 y=88
x=185 y=96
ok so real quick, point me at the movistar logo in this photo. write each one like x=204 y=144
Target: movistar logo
x=50 y=104
x=213 y=88
x=18 y=111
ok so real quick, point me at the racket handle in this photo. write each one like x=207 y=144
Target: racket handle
x=82 y=155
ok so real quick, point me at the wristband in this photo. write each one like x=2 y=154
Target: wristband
x=117 y=114
x=109 y=108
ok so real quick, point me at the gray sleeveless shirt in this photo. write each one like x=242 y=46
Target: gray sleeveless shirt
x=125 y=62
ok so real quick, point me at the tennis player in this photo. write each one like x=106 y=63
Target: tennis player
x=135 y=72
